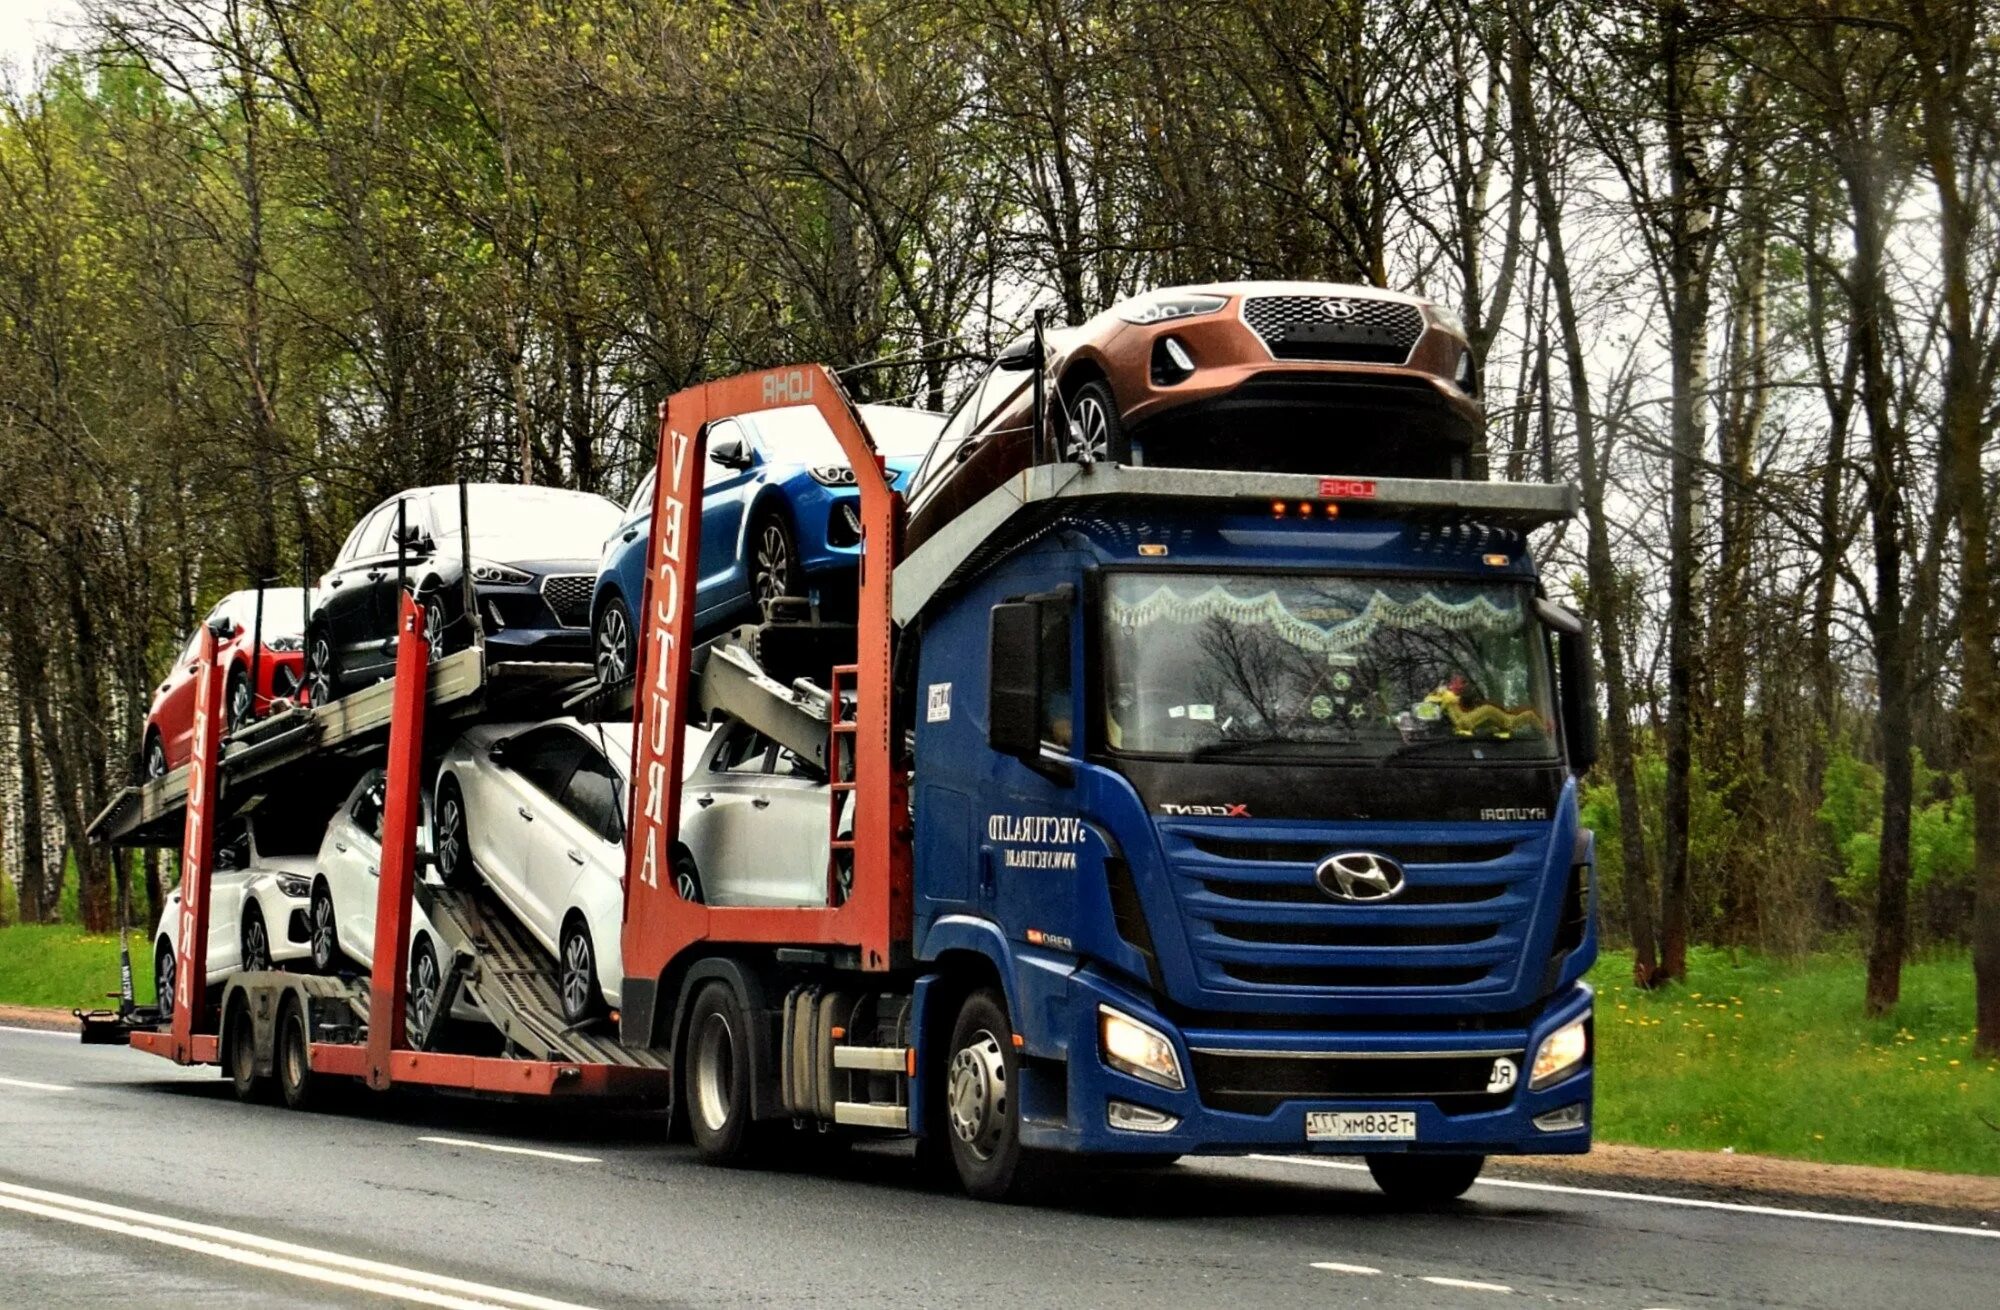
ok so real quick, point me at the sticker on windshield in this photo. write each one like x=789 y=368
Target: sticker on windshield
x=939 y=710
x=1202 y=713
x=1322 y=707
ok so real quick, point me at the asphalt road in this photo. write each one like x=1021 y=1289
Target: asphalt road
x=124 y=1180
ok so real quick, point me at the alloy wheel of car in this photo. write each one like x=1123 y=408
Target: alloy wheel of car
x=774 y=561
x=578 y=980
x=425 y=986
x=1090 y=428
x=614 y=644
x=434 y=627
x=687 y=878
x=325 y=941
x=163 y=982
x=319 y=669
x=156 y=758
x=450 y=827
x=239 y=699
x=256 y=942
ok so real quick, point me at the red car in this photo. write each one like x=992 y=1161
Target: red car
x=279 y=673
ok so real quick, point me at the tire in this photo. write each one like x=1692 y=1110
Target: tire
x=454 y=853
x=297 y=1082
x=325 y=937
x=420 y=1014
x=687 y=877
x=256 y=940
x=611 y=639
x=322 y=668
x=240 y=705
x=155 y=763
x=249 y=1085
x=1425 y=1179
x=774 y=560
x=433 y=606
x=716 y=1077
x=576 y=974
x=1092 y=423
x=982 y=1107
x=163 y=980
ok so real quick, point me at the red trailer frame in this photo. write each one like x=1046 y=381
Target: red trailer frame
x=659 y=926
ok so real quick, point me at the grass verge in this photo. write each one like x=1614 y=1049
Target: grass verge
x=1768 y=1058
x=60 y=965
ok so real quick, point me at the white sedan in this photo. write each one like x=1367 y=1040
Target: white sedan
x=256 y=902
x=342 y=914
x=539 y=811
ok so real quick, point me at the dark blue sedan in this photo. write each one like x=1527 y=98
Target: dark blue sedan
x=779 y=517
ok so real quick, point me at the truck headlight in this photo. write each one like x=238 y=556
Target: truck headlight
x=1138 y=1049
x=292 y=885
x=1560 y=1053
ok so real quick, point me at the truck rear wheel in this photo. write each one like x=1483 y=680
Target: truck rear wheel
x=296 y=1078
x=1425 y=1179
x=250 y=1085
x=716 y=1076
x=982 y=1101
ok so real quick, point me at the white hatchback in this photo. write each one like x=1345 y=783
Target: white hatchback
x=539 y=811
x=256 y=900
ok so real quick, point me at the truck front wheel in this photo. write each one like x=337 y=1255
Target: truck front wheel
x=982 y=1101
x=1425 y=1179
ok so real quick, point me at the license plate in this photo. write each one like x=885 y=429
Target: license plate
x=1361 y=1125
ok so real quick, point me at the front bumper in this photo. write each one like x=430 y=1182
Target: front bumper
x=1067 y=1087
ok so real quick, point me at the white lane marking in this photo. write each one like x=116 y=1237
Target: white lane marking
x=1335 y=1267
x=34 y=1086
x=36 y=1032
x=1466 y=1283
x=513 y=1150
x=1692 y=1203
x=271 y=1253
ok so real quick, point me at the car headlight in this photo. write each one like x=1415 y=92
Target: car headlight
x=488 y=571
x=1163 y=309
x=1446 y=319
x=1138 y=1049
x=1560 y=1053
x=294 y=886
x=832 y=475
x=284 y=645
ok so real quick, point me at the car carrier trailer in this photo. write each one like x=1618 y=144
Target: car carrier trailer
x=1034 y=943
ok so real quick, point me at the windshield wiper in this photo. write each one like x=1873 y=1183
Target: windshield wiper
x=1230 y=746
x=1409 y=748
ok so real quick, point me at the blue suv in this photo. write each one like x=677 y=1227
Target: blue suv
x=779 y=517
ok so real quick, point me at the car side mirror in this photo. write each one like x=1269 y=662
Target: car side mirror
x=1014 y=688
x=417 y=540
x=1018 y=357
x=222 y=628
x=497 y=752
x=730 y=453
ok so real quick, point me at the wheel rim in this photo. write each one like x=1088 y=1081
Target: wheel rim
x=434 y=628
x=774 y=563
x=243 y=1059
x=239 y=702
x=1093 y=427
x=163 y=984
x=322 y=931
x=319 y=677
x=614 y=653
x=686 y=884
x=295 y=1050
x=715 y=1072
x=256 y=949
x=977 y=1094
x=423 y=993
x=156 y=760
x=576 y=975
x=448 y=840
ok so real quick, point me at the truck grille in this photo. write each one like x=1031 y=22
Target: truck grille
x=568 y=595
x=1251 y=1083
x=1257 y=921
x=1352 y=329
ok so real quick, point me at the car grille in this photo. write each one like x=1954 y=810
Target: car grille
x=1251 y=1083
x=1257 y=920
x=568 y=595
x=1353 y=329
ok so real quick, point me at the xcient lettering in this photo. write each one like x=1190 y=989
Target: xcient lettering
x=1232 y=811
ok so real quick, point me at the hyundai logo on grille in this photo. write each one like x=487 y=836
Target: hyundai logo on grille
x=1359 y=876
x=1339 y=309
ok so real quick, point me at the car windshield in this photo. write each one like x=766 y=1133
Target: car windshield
x=528 y=523
x=1282 y=667
x=284 y=610
x=798 y=434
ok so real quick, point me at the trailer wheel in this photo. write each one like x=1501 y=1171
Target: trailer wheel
x=296 y=1079
x=256 y=940
x=250 y=1085
x=1425 y=1179
x=163 y=981
x=715 y=1076
x=982 y=1101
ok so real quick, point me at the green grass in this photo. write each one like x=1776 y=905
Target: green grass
x=1776 y=1059
x=61 y=965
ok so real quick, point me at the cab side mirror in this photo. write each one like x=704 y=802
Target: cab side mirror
x=1579 y=699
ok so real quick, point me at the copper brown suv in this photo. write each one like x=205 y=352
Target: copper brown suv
x=1311 y=377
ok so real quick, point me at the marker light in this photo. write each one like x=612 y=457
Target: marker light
x=1496 y=561
x=1152 y=549
x=1139 y=1118
x=1138 y=1049
x=1178 y=353
x=1560 y=1053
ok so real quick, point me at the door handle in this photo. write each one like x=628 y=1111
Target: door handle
x=574 y=858
x=340 y=846
x=522 y=810
x=374 y=871
x=631 y=533
x=376 y=575
x=761 y=802
x=704 y=801
x=335 y=582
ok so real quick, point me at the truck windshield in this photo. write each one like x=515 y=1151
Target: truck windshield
x=1290 y=667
